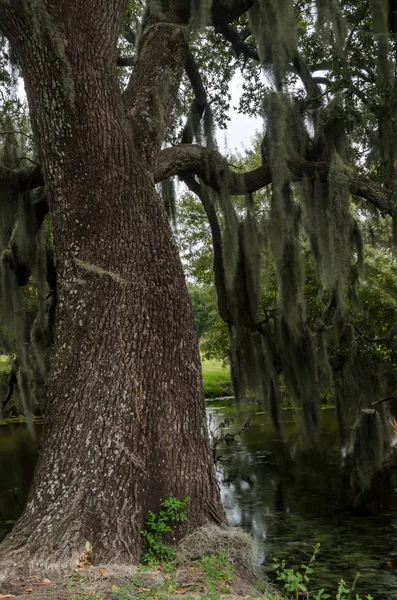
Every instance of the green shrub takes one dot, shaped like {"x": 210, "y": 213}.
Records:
{"x": 157, "y": 526}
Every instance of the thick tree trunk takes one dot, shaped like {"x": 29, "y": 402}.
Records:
{"x": 126, "y": 426}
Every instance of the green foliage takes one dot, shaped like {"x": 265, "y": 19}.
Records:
{"x": 215, "y": 345}
{"x": 157, "y": 526}
{"x": 217, "y": 568}
{"x": 296, "y": 583}
{"x": 203, "y": 299}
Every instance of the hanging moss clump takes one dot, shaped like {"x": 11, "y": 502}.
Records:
{"x": 208, "y": 127}
{"x": 246, "y": 361}
{"x": 329, "y": 11}
{"x": 320, "y": 350}
{"x": 358, "y": 245}
{"x": 249, "y": 358}
{"x": 25, "y": 312}
{"x": 274, "y": 407}
{"x": 230, "y": 239}
{"x": 169, "y": 199}
{"x": 286, "y": 252}
{"x": 339, "y": 222}
{"x": 200, "y": 13}
{"x": 274, "y": 25}
{"x": 284, "y": 140}
{"x": 300, "y": 374}
{"x": 369, "y": 449}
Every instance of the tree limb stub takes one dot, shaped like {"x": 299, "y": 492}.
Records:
{"x": 212, "y": 168}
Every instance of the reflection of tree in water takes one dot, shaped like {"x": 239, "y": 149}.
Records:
{"x": 290, "y": 505}
{"x": 18, "y": 454}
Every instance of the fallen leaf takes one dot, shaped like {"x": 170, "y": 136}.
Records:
{"x": 29, "y": 590}
{"x": 88, "y": 547}
{"x": 182, "y": 591}
{"x": 114, "y": 588}
{"x": 389, "y": 564}
{"x": 104, "y": 572}
{"x": 6, "y": 596}
{"x": 46, "y": 581}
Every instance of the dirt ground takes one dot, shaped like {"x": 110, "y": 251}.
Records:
{"x": 103, "y": 584}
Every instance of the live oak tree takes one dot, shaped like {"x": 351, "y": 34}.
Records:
{"x": 125, "y": 426}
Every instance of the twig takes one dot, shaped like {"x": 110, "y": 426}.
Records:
{"x": 383, "y": 400}
{"x": 17, "y": 131}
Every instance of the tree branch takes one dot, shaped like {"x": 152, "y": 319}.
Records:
{"x": 383, "y": 400}
{"x": 222, "y": 11}
{"x": 219, "y": 271}
{"x": 153, "y": 86}
{"x": 199, "y": 103}
{"x": 306, "y": 77}
{"x": 238, "y": 45}
{"x": 300, "y": 67}
{"x": 225, "y": 11}
{"x": 212, "y": 168}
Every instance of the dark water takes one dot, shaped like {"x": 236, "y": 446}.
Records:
{"x": 287, "y": 506}
{"x": 18, "y": 454}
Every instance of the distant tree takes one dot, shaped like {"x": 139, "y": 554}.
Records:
{"x": 126, "y": 427}
{"x": 204, "y": 308}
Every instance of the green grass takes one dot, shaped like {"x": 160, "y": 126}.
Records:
{"x": 216, "y": 379}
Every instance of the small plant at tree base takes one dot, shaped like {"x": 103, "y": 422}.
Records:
{"x": 218, "y": 571}
{"x": 157, "y": 526}
{"x": 296, "y": 583}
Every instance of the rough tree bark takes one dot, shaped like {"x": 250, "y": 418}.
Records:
{"x": 126, "y": 426}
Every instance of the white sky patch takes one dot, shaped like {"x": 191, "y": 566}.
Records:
{"x": 241, "y": 128}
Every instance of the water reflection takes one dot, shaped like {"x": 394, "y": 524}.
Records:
{"x": 18, "y": 455}
{"x": 289, "y": 506}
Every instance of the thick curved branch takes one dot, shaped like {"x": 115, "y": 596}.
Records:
{"x": 225, "y": 11}
{"x": 212, "y": 168}
{"x": 222, "y": 11}
{"x": 219, "y": 270}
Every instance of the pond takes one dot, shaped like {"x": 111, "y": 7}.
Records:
{"x": 288, "y": 506}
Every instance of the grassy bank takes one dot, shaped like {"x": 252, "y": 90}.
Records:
{"x": 216, "y": 379}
